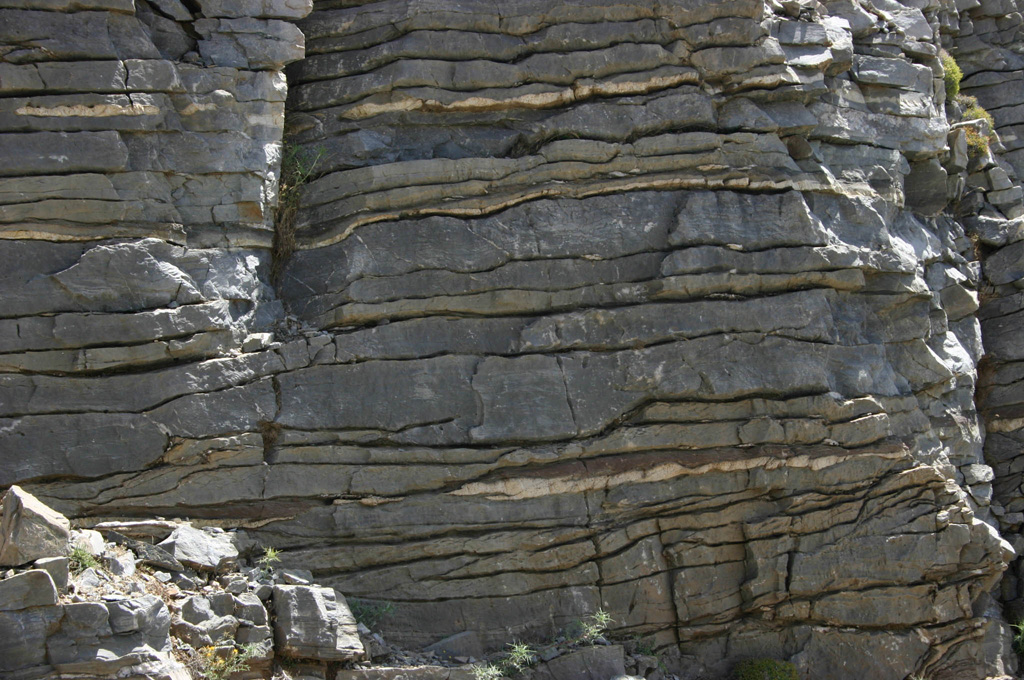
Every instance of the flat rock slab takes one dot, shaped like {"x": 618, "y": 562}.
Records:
{"x": 30, "y": 530}
{"x": 140, "y": 529}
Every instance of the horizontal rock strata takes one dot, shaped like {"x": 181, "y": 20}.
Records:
{"x": 667, "y": 309}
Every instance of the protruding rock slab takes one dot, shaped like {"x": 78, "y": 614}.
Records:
{"x": 30, "y": 530}
{"x": 313, "y": 624}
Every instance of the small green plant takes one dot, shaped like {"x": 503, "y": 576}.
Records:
{"x": 487, "y": 671}
{"x": 520, "y": 656}
{"x": 81, "y": 559}
{"x": 977, "y": 143}
{"x": 271, "y": 556}
{"x": 370, "y": 613}
{"x": 594, "y": 626}
{"x": 216, "y": 664}
{"x": 977, "y": 111}
{"x": 1018, "y": 637}
{"x": 764, "y": 669}
{"x": 298, "y": 167}
{"x": 517, "y": 659}
{"x": 951, "y": 74}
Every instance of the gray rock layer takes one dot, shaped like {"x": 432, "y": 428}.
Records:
{"x": 670, "y": 309}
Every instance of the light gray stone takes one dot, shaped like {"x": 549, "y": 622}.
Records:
{"x": 201, "y": 549}
{"x": 310, "y": 622}
{"x": 29, "y": 530}
{"x": 58, "y": 568}
{"x": 88, "y": 540}
{"x": 33, "y": 588}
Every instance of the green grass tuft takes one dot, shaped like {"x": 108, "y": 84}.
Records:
{"x": 81, "y": 559}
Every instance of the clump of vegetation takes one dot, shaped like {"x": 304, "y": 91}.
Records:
{"x": 951, "y": 74}
{"x": 517, "y": 659}
{"x": 974, "y": 111}
{"x": 521, "y": 656}
{"x": 298, "y": 167}
{"x": 81, "y": 559}
{"x": 1018, "y": 638}
{"x": 594, "y": 626}
{"x": 977, "y": 143}
{"x": 487, "y": 671}
{"x": 764, "y": 669}
{"x": 369, "y": 613}
{"x": 271, "y": 556}
{"x": 214, "y": 663}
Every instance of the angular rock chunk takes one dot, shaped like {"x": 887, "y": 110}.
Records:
{"x": 312, "y": 623}
{"x": 32, "y": 588}
{"x": 30, "y": 530}
{"x": 201, "y": 549}
{"x": 94, "y": 639}
{"x": 59, "y": 570}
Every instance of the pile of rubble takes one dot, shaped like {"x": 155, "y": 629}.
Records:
{"x": 154, "y": 599}
{"x": 165, "y": 600}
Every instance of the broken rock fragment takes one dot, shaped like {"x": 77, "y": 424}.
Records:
{"x": 30, "y": 530}
{"x": 201, "y": 549}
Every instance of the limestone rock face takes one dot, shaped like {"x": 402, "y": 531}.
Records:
{"x": 674, "y": 310}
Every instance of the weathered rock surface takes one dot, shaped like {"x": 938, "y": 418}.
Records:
{"x": 127, "y": 639}
{"x": 33, "y": 588}
{"x": 674, "y": 310}
{"x": 119, "y": 623}
{"x": 29, "y": 530}
{"x": 200, "y": 549}
{"x": 311, "y": 622}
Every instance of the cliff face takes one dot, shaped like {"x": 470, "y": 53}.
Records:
{"x": 672, "y": 309}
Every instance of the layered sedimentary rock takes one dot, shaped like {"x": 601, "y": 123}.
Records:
{"x": 988, "y": 47}
{"x": 670, "y": 309}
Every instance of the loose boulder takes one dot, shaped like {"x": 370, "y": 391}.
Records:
{"x": 200, "y": 549}
{"x": 29, "y": 530}
{"x": 313, "y": 624}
